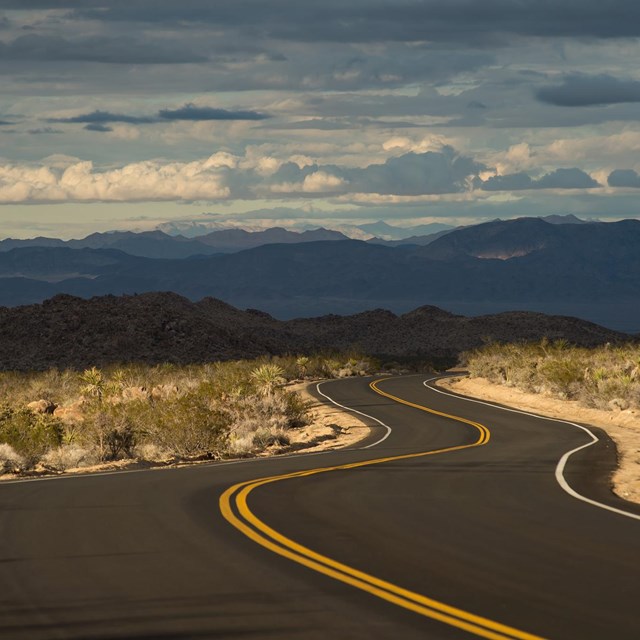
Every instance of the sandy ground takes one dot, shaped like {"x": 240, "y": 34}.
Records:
{"x": 622, "y": 426}
{"x": 330, "y": 428}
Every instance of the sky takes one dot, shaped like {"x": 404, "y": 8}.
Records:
{"x": 123, "y": 114}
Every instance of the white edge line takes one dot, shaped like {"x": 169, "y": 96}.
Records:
{"x": 562, "y": 463}
{"x": 387, "y": 427}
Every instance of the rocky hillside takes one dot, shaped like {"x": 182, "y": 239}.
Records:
{"x": 165, "y": 327}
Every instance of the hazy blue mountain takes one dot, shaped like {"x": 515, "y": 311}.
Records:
{"x": 566, "y": 219}
{"x": 412, "y": 240}
{"x": 386, "y": 231}
{"x": 40, "y": 241}
{"x": 589, "y": 270}
{"x": 157, "y": 244}
{"x": 148, "y": 244}
{"x": 231, "y": 240}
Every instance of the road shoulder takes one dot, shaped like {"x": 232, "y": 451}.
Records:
{"x": 623, "y": 427}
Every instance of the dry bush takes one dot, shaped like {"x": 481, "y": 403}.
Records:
{"x": 10, "y": 460}
{"x": 602, "y": 377}
{"x": 69, "y": 456}
{"x": 156, "y": 412}
{"x": 30, "y": 434}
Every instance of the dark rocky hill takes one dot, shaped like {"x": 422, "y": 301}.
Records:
{"x": 164, "y": 327}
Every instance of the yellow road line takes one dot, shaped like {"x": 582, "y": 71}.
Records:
{"x": 235, "y": 509}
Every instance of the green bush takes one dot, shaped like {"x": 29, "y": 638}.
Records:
{"x": 30, "y": 434}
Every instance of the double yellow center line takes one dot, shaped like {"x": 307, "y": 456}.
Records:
{"x": 234, "y": 507}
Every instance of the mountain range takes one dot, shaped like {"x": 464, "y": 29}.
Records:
{"x": 157, "y": 244}
{"x": 586, "y": 270}
{"x": 163, "y": 327}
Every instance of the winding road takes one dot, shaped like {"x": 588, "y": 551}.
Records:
{"x": 454, "y": 519}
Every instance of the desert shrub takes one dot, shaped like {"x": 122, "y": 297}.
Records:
{"x": 263, "y": 438}
{"x": 110, "y": 430}
{"x": 113, "y": 412}
{"x": 10, "y": 460}
{"x": 190, "y": 425}
{"x": 563, "y": 375}
{"x": 68, "y": 456}
{"x": 30, "y": 434}
{"x": 603, "y": 377}
{"x": 151, "y": 452}
{"x": 296, "y": 410}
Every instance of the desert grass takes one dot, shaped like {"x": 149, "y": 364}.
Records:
{"x": 605, "y": 377}
{"x": 56, "y": 420}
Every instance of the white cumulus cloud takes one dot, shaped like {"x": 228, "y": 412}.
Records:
{"x": 139, "y": 181}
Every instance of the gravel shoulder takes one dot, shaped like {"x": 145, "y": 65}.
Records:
{"x": 623, "y": 427}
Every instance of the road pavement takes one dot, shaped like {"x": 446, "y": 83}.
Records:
{"x": 437, "y": 526}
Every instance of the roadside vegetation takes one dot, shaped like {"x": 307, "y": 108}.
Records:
{"x": 62, "y": 419}
{"x": 606, "y": 377}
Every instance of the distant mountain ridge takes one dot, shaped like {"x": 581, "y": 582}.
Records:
{"x": 164, "y": 327}
{"x": 157, "y": 244}
{"x": 587, "y": 270}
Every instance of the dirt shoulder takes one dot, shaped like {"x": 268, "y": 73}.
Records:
{"x": 331, "y": 427}
{"x": 623, "y": 427}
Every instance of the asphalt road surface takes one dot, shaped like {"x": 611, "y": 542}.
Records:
{"x": 444, "y": 528}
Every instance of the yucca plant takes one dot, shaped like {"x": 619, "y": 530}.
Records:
{"x": 267, "y": 378}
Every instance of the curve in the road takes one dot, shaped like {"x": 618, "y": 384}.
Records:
{"x": 235, "y": 509}
{"x": 562, "y": 463}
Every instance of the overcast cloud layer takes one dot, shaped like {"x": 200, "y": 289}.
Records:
{"x": 308, "y": 113}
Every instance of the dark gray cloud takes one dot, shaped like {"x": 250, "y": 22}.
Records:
{"x": 411, "y": 174}
{"x": 97, "y": 126}
{"x": 566, "y": 179}
{"x": 624, "y": 178}
{"x": 103, "y": 49}
{"x": 103, "y": 117}
{"x": 192, "y": 112}
{"x": 4, "y": 123}
{"x": 189, "y": 112}
{"x": 582, "y": 91}
{"x": 558, "y": 179}
{"x": 416, "y": 174}
{"x": 44, "y": 131}
{"x": 462, "y": 21}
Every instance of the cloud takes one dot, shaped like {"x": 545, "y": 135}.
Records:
{"x": 103, "y": 117}
{"x": 44, "y": 131}
{"x": 74, "y": 181}
{"x": 387, "y": 20}
{"x": 584, "y": 91}
{"x": 101, "y": 49}
{"x": 411, "y": 174}
{"x": 432, "y": 172}
{"x": 566, "y": 179}
{"x": 558, "y": 179}
{"x": 193, "y": 112}
{"x": 624, "y": 178}
{"x": 509, "y": 182}
{"x": 98, "y": 120}
{"x": 318, "y": 182}
{"x": 97, "y": 126}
